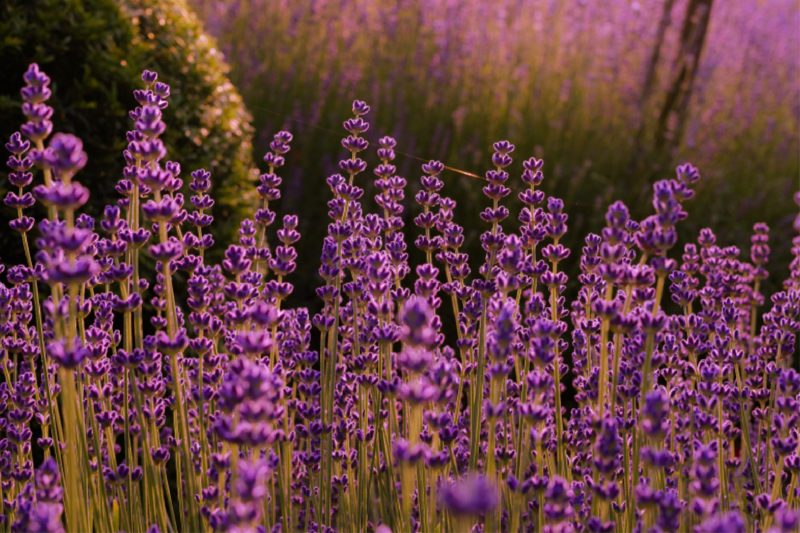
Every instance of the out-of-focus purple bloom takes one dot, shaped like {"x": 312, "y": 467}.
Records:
{"x": 471, "y": 496}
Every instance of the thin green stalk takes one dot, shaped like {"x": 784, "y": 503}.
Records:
{"x": 477, "y": 394}
{"x": 561, "y": 452}
{"x": 601, "y": 393}
{"x": 646, "y": 383}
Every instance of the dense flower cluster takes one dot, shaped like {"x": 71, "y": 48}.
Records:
{"x": 364, "y": 416}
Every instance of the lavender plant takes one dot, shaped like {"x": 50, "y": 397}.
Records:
{"x": 365, "y": 416}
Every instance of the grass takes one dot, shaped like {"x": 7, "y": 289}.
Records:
{"x": 561, "y": 80}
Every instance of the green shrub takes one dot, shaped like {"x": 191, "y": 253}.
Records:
{"x": 94, "y": 52}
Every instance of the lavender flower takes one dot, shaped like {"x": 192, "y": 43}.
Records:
{"x": 684, "y": 421}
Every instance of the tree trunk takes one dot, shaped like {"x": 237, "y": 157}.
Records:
{"x": 676, "y": 104}
{"x": 652, "y": 63}
{"x": 647, "y": 86}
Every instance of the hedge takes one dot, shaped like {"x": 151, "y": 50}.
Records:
{"x": 94, "y": 52}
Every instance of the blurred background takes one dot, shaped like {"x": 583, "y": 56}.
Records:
{"x": 613, "y": 95}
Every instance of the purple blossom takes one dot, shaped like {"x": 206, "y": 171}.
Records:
{"x": 682, "y": 417}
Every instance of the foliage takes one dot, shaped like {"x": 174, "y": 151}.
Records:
{"x": 94, "y": 50}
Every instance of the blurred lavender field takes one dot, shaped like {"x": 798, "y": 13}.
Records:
{"x": 578, "y": 83}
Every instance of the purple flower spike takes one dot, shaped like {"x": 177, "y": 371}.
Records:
{"x": 470, "y": 497}
{"x": 728, "y": 523}
{"x": 415, "y": 317}
{"x": 356, "y": 125}
{"x": 69, "y": 356}
{"x": 16, "y": 145}
{"x": 360, "y": 108}
{"x": 149, "y": 77}
{"x": 66, "y": 154}
{"x": 683, "y": 415}
{"x": 36, "y": 91}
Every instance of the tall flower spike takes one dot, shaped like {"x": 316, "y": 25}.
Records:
{"x": 269, "y": 423}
